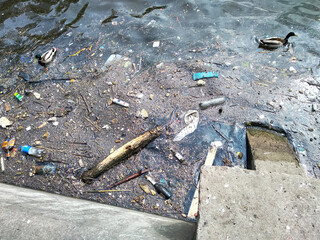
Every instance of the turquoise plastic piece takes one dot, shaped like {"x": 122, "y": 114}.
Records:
{"x": 201, "y": 75}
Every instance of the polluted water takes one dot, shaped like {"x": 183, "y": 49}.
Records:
{"x": 117, "y": 60}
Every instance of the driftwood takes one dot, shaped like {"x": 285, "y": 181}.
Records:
{"x": 121, "y": 153}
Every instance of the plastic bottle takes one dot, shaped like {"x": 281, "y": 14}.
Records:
{"x": 32, "y": 151}
{"x": 44, "y": 169}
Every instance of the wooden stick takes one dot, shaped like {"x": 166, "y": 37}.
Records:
{"x": 220, "y": 133}
{"x": 2, "y": 164}
{"x": 193, "y": 210}
{"x": 85, "y": 102}
{"x": 121, "y": 153}
{"x": 126, "y": 179}
{"x": 108, "y": 190}
{"x": 93, "y": 124}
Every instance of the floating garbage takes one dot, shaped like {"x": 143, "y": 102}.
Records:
{"x": 2, "y": 164}
{"x": 32, "y": 151}
{"x": 7, "y": 106}
{"x": 36, "y": 95}
{"x": 5, "y": 122}
{"x": 25, "y": 76}
{"x": 156, "y": 44}
{"x": 44, "y": 169}
{"x": 160, "y": 188}
{"x": 122, "y": 153}
{"x": 128, "y": 178}
{"x": 177, "y": 155}
{"x": 314, "y": 107}
{"x": 8, "y": 145}
{"x": 191, "y": 119}
{"x": 135, "y": 95}
{"x": 112, "y": 59}
{"x": 212, "y": 102}
{"x": 201, "y": 83}
{"x": 18, "y": 96}
{"x": 201, "y": 75}
{"x": 120, "y": 102}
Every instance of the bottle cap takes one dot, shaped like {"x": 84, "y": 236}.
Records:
{"x": 25, "y": 148}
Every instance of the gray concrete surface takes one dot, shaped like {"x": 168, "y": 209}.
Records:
{"x": 247, "y": 204}
{"x": 280, "y": 167}
{"x": 30, "y": 214}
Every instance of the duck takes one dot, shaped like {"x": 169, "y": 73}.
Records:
{"x": 47, "y": 56}
{"x": 275, "y": 42}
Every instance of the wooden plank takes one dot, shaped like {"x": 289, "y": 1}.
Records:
{"x": 193, "y": 210}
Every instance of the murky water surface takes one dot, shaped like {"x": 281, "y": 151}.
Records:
{"x": 131, "y": 27}
{"x": 278, "y": 88}
{"x": 87, "y": 32}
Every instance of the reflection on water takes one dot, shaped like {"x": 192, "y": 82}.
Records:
{"x": 130, "y": 27}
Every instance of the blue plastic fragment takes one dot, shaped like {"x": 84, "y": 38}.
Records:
{"x": 201, "y": 75}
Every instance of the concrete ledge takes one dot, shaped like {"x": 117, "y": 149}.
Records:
{"x": 246, "y": 204}
{"x": 30, "y": 214}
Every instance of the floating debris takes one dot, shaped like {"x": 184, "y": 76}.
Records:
{"x": 160, "y": 188}
{"x": 201, "y": 75}
{"x": 212, "y": 102}
{"x": 191, "y": 119}
{"x": 5, "y": 122}
{"x": 120, "y": 102}
{"x": 145, "y": 188}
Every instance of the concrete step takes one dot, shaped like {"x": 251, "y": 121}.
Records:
{"x": 30, "y": 214}
{"x": 247, "y": 204}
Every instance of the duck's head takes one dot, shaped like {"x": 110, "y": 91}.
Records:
{"x": 38, "y": 56}
{"x": 291, "y": 34}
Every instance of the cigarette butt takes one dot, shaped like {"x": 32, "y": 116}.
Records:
{"x": 42, "y": 125}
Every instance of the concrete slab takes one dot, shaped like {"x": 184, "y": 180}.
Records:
{"x": 247, "y": 204}
{"x": 30, "y": 214}
{"x": 279, "y": 166}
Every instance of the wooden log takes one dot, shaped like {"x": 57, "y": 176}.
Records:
{"x": 121, "y": 153}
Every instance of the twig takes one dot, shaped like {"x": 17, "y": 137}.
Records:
{"x": 198, "y": 50}
{"x": 9, "y": 93}
{"x": 20, "y": 105}
{"x": 80, "y": 143}
{"x": 50, "y": 79}
{"x": 140, "y": 62}
{"x": 57, "y": 161}
{"x": 51, "y": 149}
{"x": 61, "y": 87}
{"x": 220, "y": 133}
{"x": 82, "y": 155}
{"x": 69, "y": 182}
{"x": 108, "y": 190}
{"x": 313, "y": 84}
{"x": 128, "y": 178}
{"x": 85, "y": 102}
{"x": 98, "y": 128}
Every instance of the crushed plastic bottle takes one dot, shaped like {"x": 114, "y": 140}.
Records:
{"x": 32, "y": 151}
